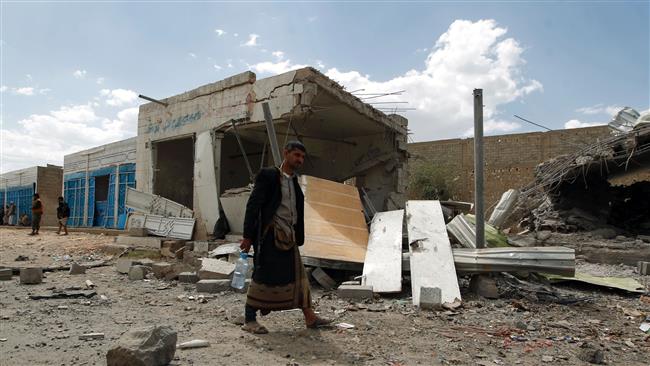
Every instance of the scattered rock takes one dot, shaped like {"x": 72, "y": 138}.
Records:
{"x": 543, "y": 235}
{"x": 546, "y": 358}
{"x": 215, "y": 269}
{"x": 31, "y": 276}
{"x": 21, "y": 258}
{"x": 5, "y": 274}
{"x": 150, "y": 346}
{"x": 213, "y": 286}
{"x": 485, "y": 286}
{"x": 138, "y": 272}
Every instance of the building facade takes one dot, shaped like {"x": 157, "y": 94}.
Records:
{"x": 95, "y": 182}
{"x": 18, "y": 187}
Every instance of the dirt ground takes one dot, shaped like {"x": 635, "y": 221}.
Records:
{"x": 388, "y": 331}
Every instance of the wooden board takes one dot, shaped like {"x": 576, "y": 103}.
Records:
{"x": 335, "y": 227}
{"x": 432, "y": 261}
{"x": 382, "y": 268}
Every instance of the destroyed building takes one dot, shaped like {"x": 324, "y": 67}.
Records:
{"x": 95, "y": 182}
{"x": 19, "y": 186}
{"x": 510, "y": 160}
{"x": 187, "y": 149}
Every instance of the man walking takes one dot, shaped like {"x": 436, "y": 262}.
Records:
{"x": 274, "y": 225}
{"x": 62, "y": 214}
{"x": 37, "y": 212}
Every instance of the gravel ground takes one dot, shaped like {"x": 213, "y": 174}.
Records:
{"x": 388, "y": 330}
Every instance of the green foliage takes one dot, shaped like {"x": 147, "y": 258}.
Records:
{"x": 430, "y": 182}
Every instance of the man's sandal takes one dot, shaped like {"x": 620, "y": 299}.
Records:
{"x": 254, "y": 327}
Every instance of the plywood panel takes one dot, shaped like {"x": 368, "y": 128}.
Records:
{"x": 382, "y": 268}
{"x": 335, "y": 227}
{"x": 432, "y": 261}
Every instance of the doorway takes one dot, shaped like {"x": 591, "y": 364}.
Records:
{"x": 174, "y": 170}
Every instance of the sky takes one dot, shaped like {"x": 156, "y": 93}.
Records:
{"x": 71, "y": 72}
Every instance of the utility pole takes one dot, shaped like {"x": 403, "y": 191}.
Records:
{"x": 478, "y": 168}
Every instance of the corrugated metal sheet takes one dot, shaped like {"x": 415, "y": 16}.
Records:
{"x": 155, "y": 205}
{"x": 170, "y": 227}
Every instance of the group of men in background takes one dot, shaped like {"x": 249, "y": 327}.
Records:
{"x": 62, "y": 214}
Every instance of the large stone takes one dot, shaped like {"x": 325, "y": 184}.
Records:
{"x": 5, "y": 274}
{"x": 355, "y": 292}
{"x": 76, "y": 269}
{"x": 150, "y": 346}
{"x": 485, "y": 286}
{"x": 591, "y": 354}
{"x": 215, "y": 269}
{"x": 138, "y": 272}
{"x": 31, "y": 275}
{"x": 188, "y": 277}
{"x": 213, "y": 286}
{"x": 644, "y": 268}
{"x": 161, "y": 269}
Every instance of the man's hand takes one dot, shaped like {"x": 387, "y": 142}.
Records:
{"x": 245, "y": 245}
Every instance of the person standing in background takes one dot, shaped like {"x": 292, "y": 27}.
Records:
{"x": 37, "y": 213}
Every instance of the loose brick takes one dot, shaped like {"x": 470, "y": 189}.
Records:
{"x": 355, "y": 292}
{"x": 215, "y": 269}
{"x": 31, "y": 276}
{"x": 213, "y": 286}
{"x": 188, "y": 277}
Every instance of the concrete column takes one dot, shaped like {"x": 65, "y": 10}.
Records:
{"x": 116, "y": 204}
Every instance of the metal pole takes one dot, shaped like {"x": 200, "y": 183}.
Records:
{"x": 241, "y": 146}
{"x": 478, "y": 167}
{"x": 270, "y": 129}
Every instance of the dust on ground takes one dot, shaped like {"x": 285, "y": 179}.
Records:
{"x": 388, "y": 331}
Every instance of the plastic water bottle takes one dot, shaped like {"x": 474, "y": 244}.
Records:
{"x": 241, "y": 269}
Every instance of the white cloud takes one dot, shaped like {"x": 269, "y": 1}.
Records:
{"x": 100, "y": 80}
{"x": 574, "y": 123}
{"x": 119, "y": 97}
{"x": 252, "y": 40}
{"x": 320, "y": 64}
{"x": 46, "y": 138}
{"x": 278, "y": 54}
{"x": 217, "y": 67}
{"x": 79, "y": 74}
{"x": 192, "y": 55}
{"x": 468, "y": 55}
{"x": 29, "y": 77}
{"x": 494, "y": 126}
{"x": 3, "y": 88}
{"x": 229, "y": 64}
{"x": 279, "y": 67}
{"x": 220, "y": 32}
{"x": 44, "y": 90}
{"x": 609, "y": 110}
{"x": 24, "y": 91}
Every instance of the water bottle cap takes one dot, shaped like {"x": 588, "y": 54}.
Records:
{"x": 243, "y": 255}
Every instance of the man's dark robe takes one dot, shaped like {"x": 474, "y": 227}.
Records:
{"x": 273, "y": 267}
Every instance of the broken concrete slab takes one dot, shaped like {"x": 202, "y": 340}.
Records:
{"x": 138, "y": 272}
{"x": 504, "y": 208}
{"x": 355, "y": 292}
{"x": 215, "y": 269}
{"x": 31, "y": 275}
{"x": 149, "y": 346}
{"x": 382, "y": 268}
{"x": 188, "y": 277}
{"x": 644, "y": 268}
{"x": 323, "y": 279}
{"x": 76, "y": 269}
{"x": 143, "y": 242}
{"x": 432, "y": 262}
{"x": 213, "y": 286}
{"x": 225, "y": 249}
